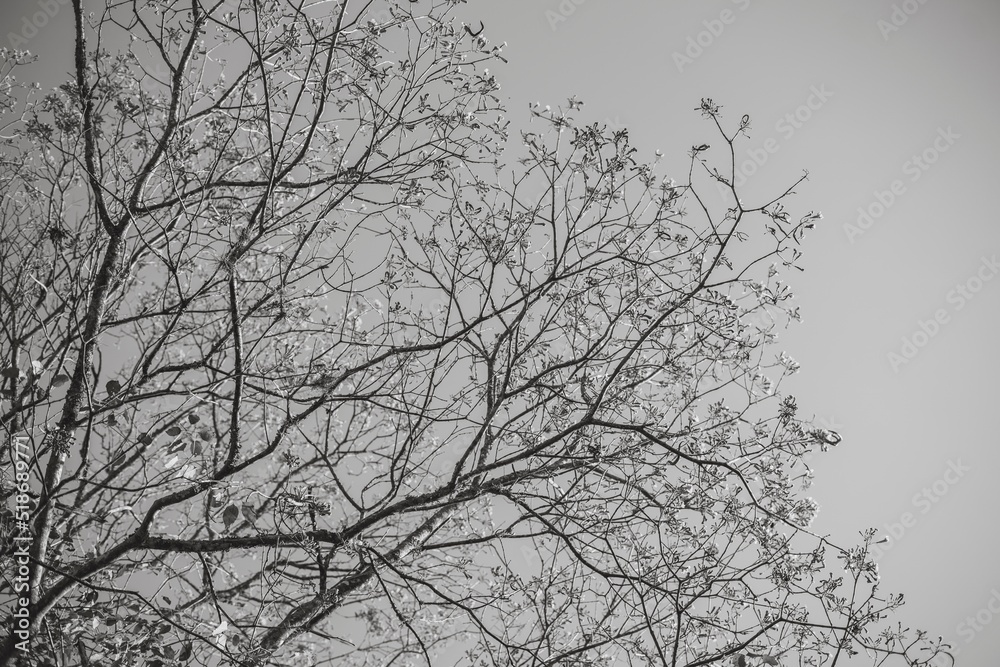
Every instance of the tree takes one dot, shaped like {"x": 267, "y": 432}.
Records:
{"x": 302, "y": 373}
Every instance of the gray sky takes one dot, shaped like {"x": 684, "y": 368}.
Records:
{"x": 891, "y": 107}
{"x": 865, "y": 98}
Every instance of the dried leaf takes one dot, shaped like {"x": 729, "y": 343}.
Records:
{"x": 229, "y": 516}
{"x": 185, "y": 653}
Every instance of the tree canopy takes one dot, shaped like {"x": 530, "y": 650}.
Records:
{"x": 311, "y": 359}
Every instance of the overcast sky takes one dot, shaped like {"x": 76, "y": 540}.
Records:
{"x": 892, "y": 108}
